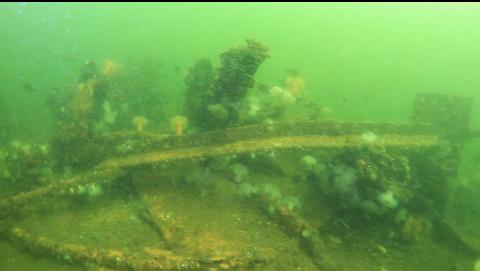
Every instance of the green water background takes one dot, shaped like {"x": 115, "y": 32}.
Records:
{"x": 363, "y": 61}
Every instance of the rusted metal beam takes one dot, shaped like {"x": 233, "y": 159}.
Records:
{"x": 297, "y": 227}
{"x": 93, "y": 175}
{"x": 152, "y": 259}
{"x": 274, "y": 143}
{"x": 111, "y": 168}
{"x": 160, "y": 142}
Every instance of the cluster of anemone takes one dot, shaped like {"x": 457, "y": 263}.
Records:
{"x": 294, "y": 84}
{"x": 178, "y": 124}
{"x": 110, "y": 68}
{"x": 140, "y": 123}
{"x": 272, "y": 192}
{"x": 91, "y": 190}
{"x": 283, "y": 95}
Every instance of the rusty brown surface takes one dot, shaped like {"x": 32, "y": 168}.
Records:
{"x": 242, "y": 140}
{"x": 150, "y": 259}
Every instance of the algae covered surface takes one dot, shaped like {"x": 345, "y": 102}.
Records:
{"x": 239, "y": 136}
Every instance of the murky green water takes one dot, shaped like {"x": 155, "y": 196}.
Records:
{"x": 229, "y": 136}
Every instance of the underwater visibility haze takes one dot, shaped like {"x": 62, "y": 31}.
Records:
{"x": 239, "y": 136}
